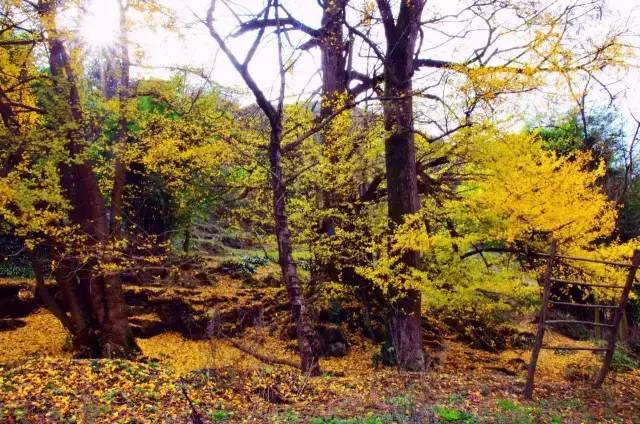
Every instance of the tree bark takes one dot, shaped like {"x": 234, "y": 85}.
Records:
{"x": 96, "y": 301}
{"x": 402, "y": 186}
{"x": 333, "y": 56}
{"x": 307, "y": 338}
{"x": 45, "y": 295}
{"x": 334, "y": 85}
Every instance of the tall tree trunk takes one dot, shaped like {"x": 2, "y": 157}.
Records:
{"x": 333, "y": 56}
{"x": 307, "y": 338}
{"x": 101, "y": 320}
{"x": 334, "y": 86}
{"x": 402, "y": 185}
{"x": 119, "y": 178}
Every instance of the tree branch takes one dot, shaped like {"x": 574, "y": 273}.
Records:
{"x": 255, "y": 24}
{"x": 242, "y": 69}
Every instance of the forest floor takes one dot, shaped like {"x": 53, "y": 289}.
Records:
{"x": 41, "y": 382}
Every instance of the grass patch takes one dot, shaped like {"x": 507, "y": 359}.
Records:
{"x": 453, "y": 415}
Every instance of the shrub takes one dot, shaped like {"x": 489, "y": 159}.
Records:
{"x": 623, "y": 361}
{"x": 243, "y": 267}
{"x": 219, "y": 416}
{"x": 449, "y": 415}
{"x": 510, "y": 412}
{"x": 11, "y": 269}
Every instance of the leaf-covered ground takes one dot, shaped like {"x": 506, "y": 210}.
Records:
{"x": 40, "y": 382}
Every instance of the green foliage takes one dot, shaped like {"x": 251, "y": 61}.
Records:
{"x": 563, "y": 138}
{"x": 448, "y": 414}
{"x": 601, "y": 133}
{"x": 12, "y": 269}
{"x": 243, "y": 267}
{"x": 511, "y": 412}
{"x": 506, "y": 404}
{"x": 624, "y": 361}
{"x": 219, "y": 416}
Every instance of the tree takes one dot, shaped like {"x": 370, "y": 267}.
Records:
{"x": 402, "y": 184}
{"x": 307, "y": 339}
{"x": 472, "y": 82}
{"x": 97, "y": 306}
{"x": 59, "y": 208}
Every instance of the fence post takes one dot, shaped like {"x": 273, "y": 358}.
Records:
{"x": 613, "y": 331}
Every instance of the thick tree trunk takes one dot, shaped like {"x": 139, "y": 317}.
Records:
{"x": 402, "y": 198}
{"x": 402, "y": 183}
{"x": 84, "y": 328}
{"x": 96, "y": 302}
{"x": 334, "y": 85}
{"x": 118, "y": 339}
{"x": 307, "y": 339}
{"x": 333, "y": 56}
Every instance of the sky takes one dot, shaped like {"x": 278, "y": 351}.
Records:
{"x": 192, "y": 46}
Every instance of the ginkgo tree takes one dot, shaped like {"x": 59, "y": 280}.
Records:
{"x": 516, "y": 197}
{"x": 526, "y": 45}
{"x": 63, "y": 157}
{"x": 433, "y": 79}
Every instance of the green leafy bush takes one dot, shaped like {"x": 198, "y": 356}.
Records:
{"x": 451, "y": 415}
{"x": 510, "y": 412}
{"x": 243, "y": 267}
{"x": 623, "y": 361}
{"x": 10, "y": 269}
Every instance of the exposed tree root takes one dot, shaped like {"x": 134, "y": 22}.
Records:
{"x": 261, "y": 357}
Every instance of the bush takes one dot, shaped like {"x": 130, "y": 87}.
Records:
{"x": 623, "y": 361}
{"x": 510, "y": 412}
{"x": 243, "y": 267}
{"x": 480, "y": 305}
{"x": 11, "y": 269}
{"x": 449, "y": 415}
